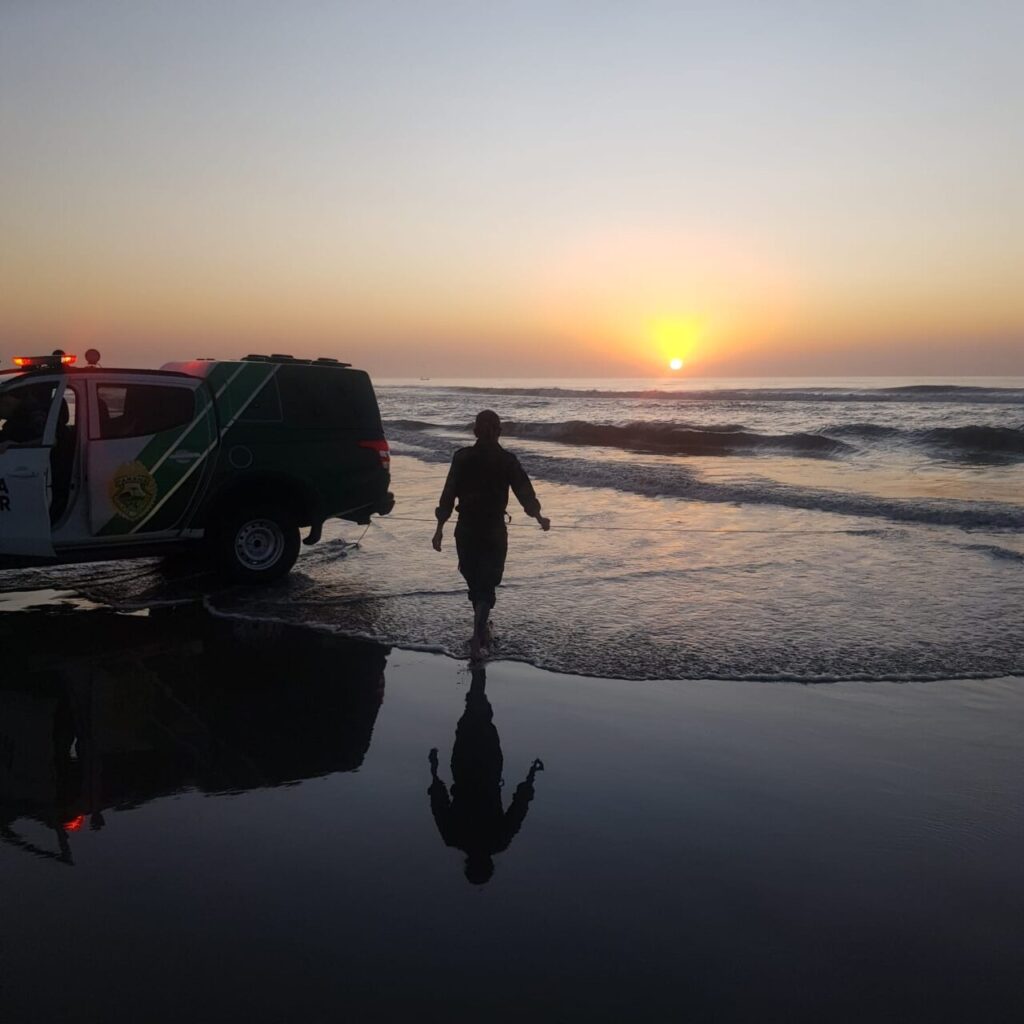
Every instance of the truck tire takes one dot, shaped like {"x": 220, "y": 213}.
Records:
{"x": 256, "y": 543}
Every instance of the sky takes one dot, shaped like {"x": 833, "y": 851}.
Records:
{"x": 517, "y": 188}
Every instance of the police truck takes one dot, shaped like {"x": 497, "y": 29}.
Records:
{"x": 229, "y": 457}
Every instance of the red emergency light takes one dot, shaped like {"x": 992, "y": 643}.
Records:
{"x": 47, "y": 362}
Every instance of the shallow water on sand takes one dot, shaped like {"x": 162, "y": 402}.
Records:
{"x": 645, "y": 587}
{"x": 204, "y": 819}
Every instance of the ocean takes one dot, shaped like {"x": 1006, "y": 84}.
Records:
{"x": 798, "y": 529}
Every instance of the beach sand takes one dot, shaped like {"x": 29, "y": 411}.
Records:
{"x": 206, "y": 819}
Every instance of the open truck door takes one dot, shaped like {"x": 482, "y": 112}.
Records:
{"x": 26, "y": 487}
{"x": 25, "y": 502}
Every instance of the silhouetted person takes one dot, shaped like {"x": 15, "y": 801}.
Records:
{"x": 479, "y": 479}
{"x": 472, "y": 818}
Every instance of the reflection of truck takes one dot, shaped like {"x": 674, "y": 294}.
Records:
{"x": 143, "y": 708}
{"x": 236, "y": 456}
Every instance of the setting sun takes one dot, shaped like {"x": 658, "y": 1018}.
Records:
{"x": 676, "y": 339}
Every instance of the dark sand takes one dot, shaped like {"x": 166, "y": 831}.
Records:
{"x": 249, "y": 837}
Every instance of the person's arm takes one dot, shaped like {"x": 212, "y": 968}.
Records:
{"x": 446, "y": 503}
{"x": 440, "y": 802}
{"x": 523, "y": 490}
{"x": 516, "y": 813}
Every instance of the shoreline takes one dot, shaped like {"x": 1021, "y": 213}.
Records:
{"x": 53, "y": 597}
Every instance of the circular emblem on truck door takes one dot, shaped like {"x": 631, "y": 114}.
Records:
{"x": 240, "y": 457}
{"x": 132, "y": 490}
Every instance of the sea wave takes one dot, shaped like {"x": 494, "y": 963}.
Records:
{"x": 994, "y": 440}
{"x": 976, "y": 442}
{"x": 662, "y": 438}
{"x": 1004, "y": 554}
{"x": 863, "y": 431}
{"x": 674, "y": 439}
{"x": 681, "y": 481}
{"x": 908, "y": 393}
{"x": 936, "y": 389}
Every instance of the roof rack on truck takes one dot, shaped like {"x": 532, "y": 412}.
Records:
{"x": 281, "y": 357}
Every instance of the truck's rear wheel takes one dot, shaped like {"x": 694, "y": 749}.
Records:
{"x": 257, "y": 544}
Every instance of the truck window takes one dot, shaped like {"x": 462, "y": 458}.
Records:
{"x": 137, "y": 410}
{"x": 313, "y": 397}
{"x": 265, "y": 407}
{"x": 24, "y": 411}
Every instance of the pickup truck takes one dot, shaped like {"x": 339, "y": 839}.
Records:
{"x": 229, "y": 457}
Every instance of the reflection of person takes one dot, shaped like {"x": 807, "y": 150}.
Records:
{"x": 480, "y": 478}
{"x": 24, "y": 417}
{"x": 471, "y": 818}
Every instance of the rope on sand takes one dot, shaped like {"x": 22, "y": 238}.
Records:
{"x": 345, "y": 546}
{"x": 624, "y": 529}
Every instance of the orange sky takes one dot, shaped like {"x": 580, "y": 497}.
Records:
{"x": 549, "y": 193}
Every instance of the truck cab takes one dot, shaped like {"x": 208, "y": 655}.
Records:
{"x": 233, "y": 457}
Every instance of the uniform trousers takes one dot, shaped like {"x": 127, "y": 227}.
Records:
{"x": 482, "y": 548}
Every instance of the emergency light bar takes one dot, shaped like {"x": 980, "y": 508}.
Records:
{"x": 45, "y": 362}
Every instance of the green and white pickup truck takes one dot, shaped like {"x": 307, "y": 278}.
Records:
{"x": 232, "y": 457}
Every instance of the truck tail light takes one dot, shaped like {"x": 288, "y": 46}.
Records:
{"x": 382, "y": 450}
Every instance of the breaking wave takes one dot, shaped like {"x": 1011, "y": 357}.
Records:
{"x": 993, "y": 440}
{"x": 662, "y": 438}
{"x": 674, "y": 439}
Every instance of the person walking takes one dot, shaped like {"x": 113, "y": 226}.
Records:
{"x": 479, "y": 479}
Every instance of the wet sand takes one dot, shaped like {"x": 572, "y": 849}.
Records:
{"x": 203, "y": 819}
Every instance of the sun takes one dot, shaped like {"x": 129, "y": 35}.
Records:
{"x": 676, "y": 340}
